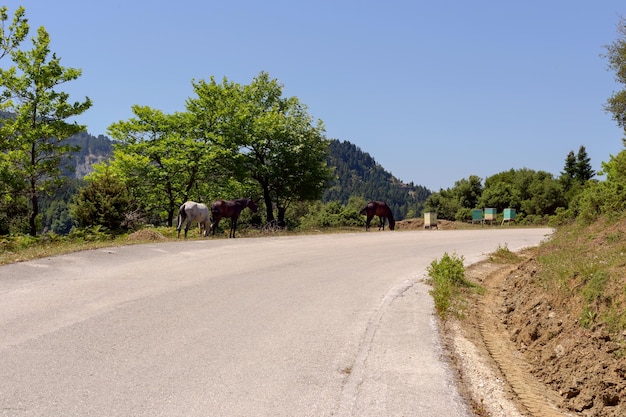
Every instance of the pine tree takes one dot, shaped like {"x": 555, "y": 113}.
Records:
{"x": 584, "y": 172}
{"x": 569, "y": 170}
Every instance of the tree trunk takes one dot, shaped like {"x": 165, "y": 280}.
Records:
{"x": 34, "y": 212}
{"x": 269, "y": 208}
{"x": 170, "y": 217}
{"x": 281, "y": 216}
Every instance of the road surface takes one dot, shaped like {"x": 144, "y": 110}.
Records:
{"x": 329, "y": 325}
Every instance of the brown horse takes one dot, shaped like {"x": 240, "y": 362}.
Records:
{"x": 380, "y": 209}
{"x": 232, "y": 209}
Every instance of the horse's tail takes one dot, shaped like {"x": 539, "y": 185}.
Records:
{"x": 181, "y": 216}
{"x": 392, "y": 222}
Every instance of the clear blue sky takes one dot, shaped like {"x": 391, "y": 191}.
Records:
{"x": 434, "y": 91}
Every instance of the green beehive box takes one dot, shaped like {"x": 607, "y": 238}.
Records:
{"x": 509, "y": 214}
{"x": 477, "y": 215}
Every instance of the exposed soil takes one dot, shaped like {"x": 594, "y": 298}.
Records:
{"x": 418, "y": 223}
{"x": 519, "y": 354}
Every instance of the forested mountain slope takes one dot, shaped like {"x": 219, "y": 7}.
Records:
{"x": 358, "y": 174}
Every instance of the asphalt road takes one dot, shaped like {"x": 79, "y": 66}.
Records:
{"x": 329, "y": 325}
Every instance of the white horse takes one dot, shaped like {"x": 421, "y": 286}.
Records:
{"x": 193, "y": 212}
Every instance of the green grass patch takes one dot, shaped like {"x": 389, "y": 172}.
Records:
{"x": 584, "y": 269}
{"x": 503, "y": 255}
{"x": 18, "y": 248}
{"x": 450, "y": 285}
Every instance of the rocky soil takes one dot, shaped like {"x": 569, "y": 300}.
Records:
{"x": 517, "y": 354}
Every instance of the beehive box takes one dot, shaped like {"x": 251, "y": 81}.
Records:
{"x": 430, "y": 220}
{"x": 477, "y": 216}
{"x": 509, "y": 214}
{"x": 490, "y": 214}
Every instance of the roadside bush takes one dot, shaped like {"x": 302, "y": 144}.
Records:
{"x": 331, "y": 214}
{"x": 103, "y": 202}
{"x": 448, "y": 280}
{"x": 463, "y": 215}
{"x": 17, "y": 242}
{"x": 90, "y": 234}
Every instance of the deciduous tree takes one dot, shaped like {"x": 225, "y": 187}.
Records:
{"x": 34, "y": 134}
{"x": 161, "y": 162}
{"x": 12, "y": 204}
{"x": 262, "y": 136}
{"x": 616, "y": 55}
{"x": 284, "y": 150}
{"x": 12, "y": 37}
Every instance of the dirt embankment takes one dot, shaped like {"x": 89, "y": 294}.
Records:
{"x": 519, "y": 354}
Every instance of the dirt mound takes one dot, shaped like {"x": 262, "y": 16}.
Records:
{"x": 413, "y": 224}
{"x": 580, "y": 365}
{"x": 549, "y": 364}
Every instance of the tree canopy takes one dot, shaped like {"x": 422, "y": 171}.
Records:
{"x": 33, "y": 137}
{"x": 232, "y": 141}
{"x": 616, "y": 55}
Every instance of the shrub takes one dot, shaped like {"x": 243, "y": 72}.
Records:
{"x": 103, "y": 202}
{"x": 448, "y": 275}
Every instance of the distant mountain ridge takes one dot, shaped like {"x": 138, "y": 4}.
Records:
{"x": 92, "y": 150}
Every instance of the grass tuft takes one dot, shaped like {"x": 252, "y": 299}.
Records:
{"x": 449, "y": 285}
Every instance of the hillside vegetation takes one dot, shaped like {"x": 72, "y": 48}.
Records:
{"x": 358, "y": 174}
{"x": 564, "y": 310}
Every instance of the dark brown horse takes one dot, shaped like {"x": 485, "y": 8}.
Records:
{"x": 232, "y": 209}
{"x": 380, "y": 209}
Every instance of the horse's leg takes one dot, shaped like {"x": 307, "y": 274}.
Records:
{"x": 187, "y": 227}
{"x": 367, "y": 223}
{"x": 206, "y": 225}
{"x": 233, "y": 226}
{"x": 185, "y": 220}
{"x": 202, "y": 225}
{"x": 214, "y": 223}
